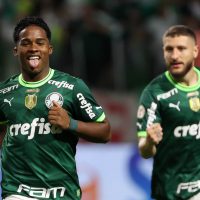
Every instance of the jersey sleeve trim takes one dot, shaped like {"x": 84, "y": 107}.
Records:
{"x": 142, "y": 134}
{"x": 101, "y": 118}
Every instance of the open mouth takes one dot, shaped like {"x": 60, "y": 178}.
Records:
{"x": 33, "y": 61}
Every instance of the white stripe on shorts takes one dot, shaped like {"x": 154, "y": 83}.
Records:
{"x": 18, "y": 197}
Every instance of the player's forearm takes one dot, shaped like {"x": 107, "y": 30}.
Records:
{"x": 147, "y": 148}
{"x": 94, "y": 132}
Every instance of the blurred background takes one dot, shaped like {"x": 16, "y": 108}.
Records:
{"x": 116, "y": 47}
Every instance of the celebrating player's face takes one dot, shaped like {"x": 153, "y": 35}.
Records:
{"x": 33, "y": 50}
{"x": 179, "y": 54}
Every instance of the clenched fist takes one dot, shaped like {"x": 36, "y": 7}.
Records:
{"x": 154, "y": 133}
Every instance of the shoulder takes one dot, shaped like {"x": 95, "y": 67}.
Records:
{"x": 69, "y": 79}
{"x": 65, "y": 76}
{"x": 159, "y": 86}
{"x": 10, "y": 83}
{"x": 158, "y": 83}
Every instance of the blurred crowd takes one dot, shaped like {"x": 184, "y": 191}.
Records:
{"x": 111, "y": 44}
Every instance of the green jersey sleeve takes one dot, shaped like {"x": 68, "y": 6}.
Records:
{"x": 87, "y": 108}
{"x": 148, "y": 110}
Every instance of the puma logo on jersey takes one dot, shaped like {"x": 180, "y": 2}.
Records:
{"x": 8, "y": 101}
{"x": 98, "y": 107}
{"x": 176, "y": 106}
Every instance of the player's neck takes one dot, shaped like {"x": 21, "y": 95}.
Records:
{"x": 35, "y": 77}
{"x": 190, "y": 79}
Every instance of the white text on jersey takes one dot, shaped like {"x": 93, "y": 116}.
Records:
{"x": 38, "y": 126}
{"x": 167, "y": 94}
{"x": 183, "y": 131}
{"x": 190, "y": 186}
{"x": 42, "y": 192}
{"x": 63, "y": 84}
{"x": 85, "y": 105}
{"x": 8, "y": 89}
{"x": 151, "y": 114}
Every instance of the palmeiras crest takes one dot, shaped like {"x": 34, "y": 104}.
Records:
{"x": 54, "y": 96}
{"x": 30, "y": 101}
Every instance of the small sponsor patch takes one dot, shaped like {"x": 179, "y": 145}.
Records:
{"x": 35, "y": 90}
{"x": 30, "y": 101}
{"x": 140, "y": 112}
{"x": 194, "y": 103}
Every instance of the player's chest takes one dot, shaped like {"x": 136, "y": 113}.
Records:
{"x": 182, "y": 104}
{"x": 38, "y": 100}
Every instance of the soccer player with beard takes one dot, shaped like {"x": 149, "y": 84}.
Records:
{"x": 45, "y": 111}
{"x": 168, "y": 120}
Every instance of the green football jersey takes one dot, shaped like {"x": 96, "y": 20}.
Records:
{"x": 38, "y": 159}
{"x": 176, "y": 166}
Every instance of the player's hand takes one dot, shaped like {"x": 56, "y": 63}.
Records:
{"x": 154, "y": 133}
{"x": 58, "y": 116}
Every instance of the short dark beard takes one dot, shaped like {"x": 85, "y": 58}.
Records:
{"x": 179, "y": 76}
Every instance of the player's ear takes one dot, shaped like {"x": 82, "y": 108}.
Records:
{"x": 15, "y": 51}
{"x": 50, "y": 49}
{"x": 196, "y": 51}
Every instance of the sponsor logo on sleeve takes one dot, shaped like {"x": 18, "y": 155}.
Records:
{"x": 85, "y": 105}
{"x": 151, "y": 114}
